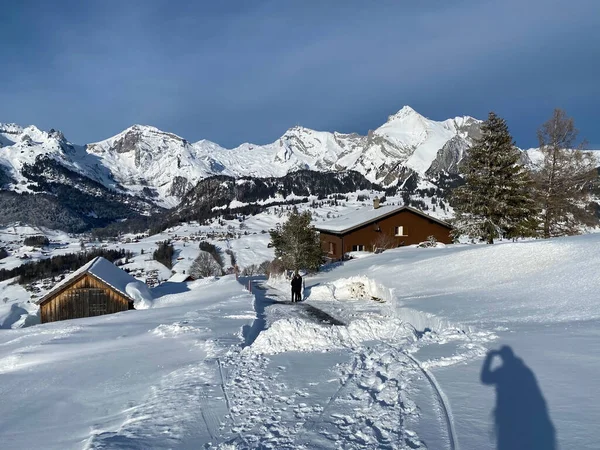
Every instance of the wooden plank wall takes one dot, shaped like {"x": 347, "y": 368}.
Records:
{"x": 86, "y": 297}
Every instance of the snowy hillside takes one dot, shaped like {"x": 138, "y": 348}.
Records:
{"x": 23, "y": 146}
{"x": 413, "y": 141}
{"x": 386, "y": 351}
{"x": 145, "y": 161}
{"x": 145, "y": 156}
{"x": 536, "y": 157}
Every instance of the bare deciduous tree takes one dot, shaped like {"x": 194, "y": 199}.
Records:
{"x": 205, "y": 266}
{"x": 564, "y": 177}
{"x": 383, "y": 242}
{"x": 250, "y": 270}
{"x": 264, "y": 267}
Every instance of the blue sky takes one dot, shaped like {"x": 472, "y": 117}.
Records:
{"x": 245, "y": 71}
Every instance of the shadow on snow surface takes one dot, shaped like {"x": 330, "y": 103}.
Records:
{"x": 261, "y": 301}
{"x": 521, "y": 416}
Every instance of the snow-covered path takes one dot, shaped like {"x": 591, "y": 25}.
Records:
{"x": 355, "y": 392}
{"x": 200, "y": 369}
{"x": 218, "y": 366}
{"x": 211, "y": 365}
{"x": 350, "y": 396}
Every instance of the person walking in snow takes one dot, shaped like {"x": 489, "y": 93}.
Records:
{"x": 293, "y": 284}
{"x": 296, "y": 287}
{"x": 300, "y": 289}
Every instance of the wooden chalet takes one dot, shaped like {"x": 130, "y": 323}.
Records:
{"x": 362, "y": 230}
{"x": 97, "y": 288}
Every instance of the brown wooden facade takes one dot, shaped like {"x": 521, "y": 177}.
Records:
{"x": 415, "y": 226}
{"x": 84, "y": 296}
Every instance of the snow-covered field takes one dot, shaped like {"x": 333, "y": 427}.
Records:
{"x": 385, "y": 352}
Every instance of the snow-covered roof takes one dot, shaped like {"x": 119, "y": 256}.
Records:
{"x": 180, "y": 278}
{"x": 364, "y": 216}
{"x": 102, "y": 269}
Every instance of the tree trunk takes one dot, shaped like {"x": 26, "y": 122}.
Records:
{"x": 547, "y": 221}
{"x": 491, "y": 232}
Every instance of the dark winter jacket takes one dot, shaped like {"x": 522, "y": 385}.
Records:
{"x": 297, "y": 283}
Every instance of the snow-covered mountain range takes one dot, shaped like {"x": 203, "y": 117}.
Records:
{"x": 162, "y": 166}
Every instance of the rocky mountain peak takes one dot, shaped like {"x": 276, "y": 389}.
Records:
{"x": 143, "y": 158}
{"x": 405, "y": 112}
{"x": 296, "y": 130}
{"x": 138, "y": 137}
{"x": 57, "y": 134}
{"x": 10, "y": 128}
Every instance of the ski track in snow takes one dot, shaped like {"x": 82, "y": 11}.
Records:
{"x": 442, "y": 400}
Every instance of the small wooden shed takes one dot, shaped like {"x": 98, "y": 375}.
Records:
{"x": 99, "y": 287}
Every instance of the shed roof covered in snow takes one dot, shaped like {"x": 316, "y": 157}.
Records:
{"x": 103, "y": 270}
{"x": 181, "y": 278}
{"x": 364, "y": 216}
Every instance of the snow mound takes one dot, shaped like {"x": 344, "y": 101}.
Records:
{"x": 140, "y": 294}
{"x": 359, "y": 254}
{"x": 370, "y": 292}
{"x": 429, "y": 244}
{"x": 294, "y": 334}
{"x": 280, "y": 282}
{"x": 240, "y": 316}
{"x": 358, "y": 287}
{"x": 174, "y": 330}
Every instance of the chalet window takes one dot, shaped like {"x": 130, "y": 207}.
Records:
{"x": 358, "y": 248}
{"x": 331, "y": 248}
{"x": 399, "y": 231}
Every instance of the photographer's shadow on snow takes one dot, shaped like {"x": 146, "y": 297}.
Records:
{"x": 521, "y": 416}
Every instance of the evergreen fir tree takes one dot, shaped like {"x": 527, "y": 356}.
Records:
{"x": 297, "y": 243}
{"x": 497, "y": 198}
{"x": 164, "y": 254}
{"x": 564, "y": 178}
